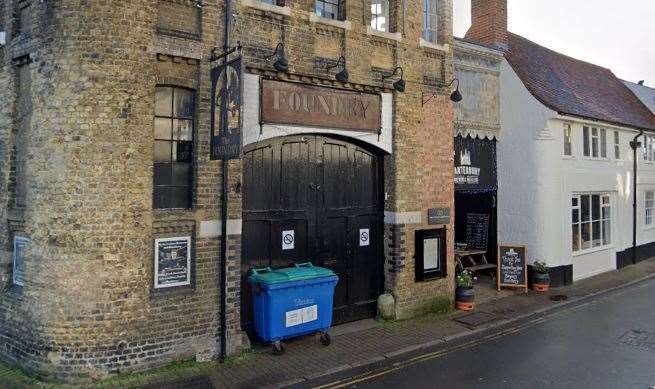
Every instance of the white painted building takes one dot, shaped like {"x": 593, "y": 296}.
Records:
{"x": 565, "y": 165}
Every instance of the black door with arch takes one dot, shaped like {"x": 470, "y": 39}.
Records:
{"x": 318, "y": 199}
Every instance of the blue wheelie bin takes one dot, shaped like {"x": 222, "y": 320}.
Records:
{"x": 292, "y": 302}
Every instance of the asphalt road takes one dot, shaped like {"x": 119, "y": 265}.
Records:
{"x": 606, "y": 343}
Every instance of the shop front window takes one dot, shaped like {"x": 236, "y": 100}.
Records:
{"x": 173, "y": 153}
{"x": 380, "y": 15}
{"x": 590, "y": 221}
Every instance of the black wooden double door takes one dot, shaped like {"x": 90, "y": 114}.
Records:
{"x": 315, "y": 199}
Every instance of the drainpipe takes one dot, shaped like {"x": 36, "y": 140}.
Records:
{"x": 634, "y": 145}
{"x": 224, "y": 193}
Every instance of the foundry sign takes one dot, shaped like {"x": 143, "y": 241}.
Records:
{"x": 315, "y": 106}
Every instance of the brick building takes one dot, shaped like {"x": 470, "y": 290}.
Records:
{"x": 110, "y": 219}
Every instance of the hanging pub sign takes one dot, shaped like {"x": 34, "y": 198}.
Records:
{"x": 172, "y": 262}
{"x": 18, "y": 273}
{"x": 512, "y": 267}
{"x": 226, "y": 116}
{"x": 475, "y": 164}
{"x": 315, "y": 106}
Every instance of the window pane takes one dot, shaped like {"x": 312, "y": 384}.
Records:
{"x": 181, "y": 174}
{"x": 160, "y": 197}
{"x": 585, "y": 135}
{"x": 163, "y": 101}
{"x": 606, "y": 213}
{"x": 574, "y": 201}
{"x": 603, "y": 143}
{"x": 183, "y": 103}
{"x": 182, "y": 129}
{"x": 162, "y": 151}
{"x": 596, "y": 234}
{"x": 162, "y": 174}
{"x": 585, "y": 207}
{"x": 607, "y": 232}
{"x": 594, "y": 147}
{"x": 585, "y": 235}
{"x": 575, "y": 237}
{"x": 567, "y": 140}
{"x": 180, "y": 197}
{"x": 163, "y": 129}
{"x": 182, "y": 151}
{"x": 595, "y": 207}
{"x": 575, "y": 215}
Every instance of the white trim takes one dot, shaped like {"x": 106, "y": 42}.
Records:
{"x": 592, "y": 250}
{"x": 188, "y": 262}
{"x": 267, "y": 7}
{"x": 213, "y": 228}
{"x": 402, "y": 217}
{"x": 434, "y": 46}
{"x": 344, "y": 24}
{"x": 395, "y": 36}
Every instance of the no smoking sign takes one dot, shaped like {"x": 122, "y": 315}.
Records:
{"x": 364, "y": 237}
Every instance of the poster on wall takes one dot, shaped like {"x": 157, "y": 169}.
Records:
{"x": 475, "y": 164}
{"x": 20, "y": 245}
{"x": 226, "y": 118}
{"x": 172, "y": 262}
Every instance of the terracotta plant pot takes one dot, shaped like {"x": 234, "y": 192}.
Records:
{"x": 540, "y": 282}
{"x": 464, "y": 298}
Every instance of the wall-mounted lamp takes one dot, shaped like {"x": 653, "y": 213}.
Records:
{"x": 281, "y": 64}
{"x": 343, "y": 75}
{"x": 455, "y": 97}
{"x": 400, "y": 84}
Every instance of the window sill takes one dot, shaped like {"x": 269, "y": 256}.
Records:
{"x": 596, "y": 159}
{"x": 434, "y": 46}
{"x": 394, "y": 36}
{"x": 569, "y": 157}
{"x": 256, "y": 4}
{"x": 648, "y": 227}
{"x": 343, "y": 24}
{"x": 592, "y": 250}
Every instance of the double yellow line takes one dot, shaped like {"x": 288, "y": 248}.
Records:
{"x": 425, "y": 357}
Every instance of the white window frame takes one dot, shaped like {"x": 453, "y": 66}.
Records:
{"x": 380, "y": 17}
{"x": 603, "y": 222}
{"x": 617, "y": 145}
{"x": 427, "y": 14}
{"x": 648, "y": 149}
{"x": 594, "y": 142}
{"x": 567, "y": 140}
{"x": 649, "y": 207}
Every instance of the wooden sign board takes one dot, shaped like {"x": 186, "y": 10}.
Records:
{"x": 512, "y": 270}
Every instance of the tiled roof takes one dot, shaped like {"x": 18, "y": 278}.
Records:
{"x": 573, "y": 87}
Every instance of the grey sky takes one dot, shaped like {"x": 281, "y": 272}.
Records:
{"x": 619, "y": 35}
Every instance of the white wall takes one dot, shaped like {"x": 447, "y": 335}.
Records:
{"x": 254, "y": 132}
{"x": 536, "y": 182}
{"x": 520, "y": 154}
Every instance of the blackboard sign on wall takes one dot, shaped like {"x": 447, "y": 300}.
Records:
{"x": 477, "y": 230}
{"x": 512, "y": 266}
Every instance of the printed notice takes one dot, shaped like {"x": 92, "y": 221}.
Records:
{"x": 301, "y": 316}
{"x": 364, "y": 237}
{"x": 288, "y": 240}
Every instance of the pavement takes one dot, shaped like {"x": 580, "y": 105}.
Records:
{"x": 366, "y": 344}
{"x": 608, "y": 342}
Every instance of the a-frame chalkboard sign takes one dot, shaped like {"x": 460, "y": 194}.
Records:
{"x": 512, "y": 266}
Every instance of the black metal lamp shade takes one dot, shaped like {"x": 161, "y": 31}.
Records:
{"x": 456, "y": 97}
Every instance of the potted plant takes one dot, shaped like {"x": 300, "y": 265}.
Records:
{"x": 540, "y": 277}
{"x": 464, "y": 295}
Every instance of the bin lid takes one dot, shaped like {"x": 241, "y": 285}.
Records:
{"x": 300, "y": 272}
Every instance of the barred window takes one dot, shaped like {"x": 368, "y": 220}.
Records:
{"x": 174, "y": 117}
{"x": 380, "y": 15}
{"x": 329, "y": 9}
{"x": 430, "y": 20}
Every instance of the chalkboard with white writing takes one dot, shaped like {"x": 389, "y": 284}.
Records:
{"x": 512, "y": 266}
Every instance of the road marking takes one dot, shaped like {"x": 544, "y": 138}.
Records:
{"x": 342, "y": 383}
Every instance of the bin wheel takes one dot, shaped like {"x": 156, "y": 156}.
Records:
{"x": 278, "y": 348}
{"x": 325, "y": 339}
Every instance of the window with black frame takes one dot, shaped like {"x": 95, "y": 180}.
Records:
{"x": 329, "y": 9}
{"x": 174, "y": 117}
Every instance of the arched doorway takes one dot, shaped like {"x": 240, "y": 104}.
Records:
{"x": 326, "y": 194}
